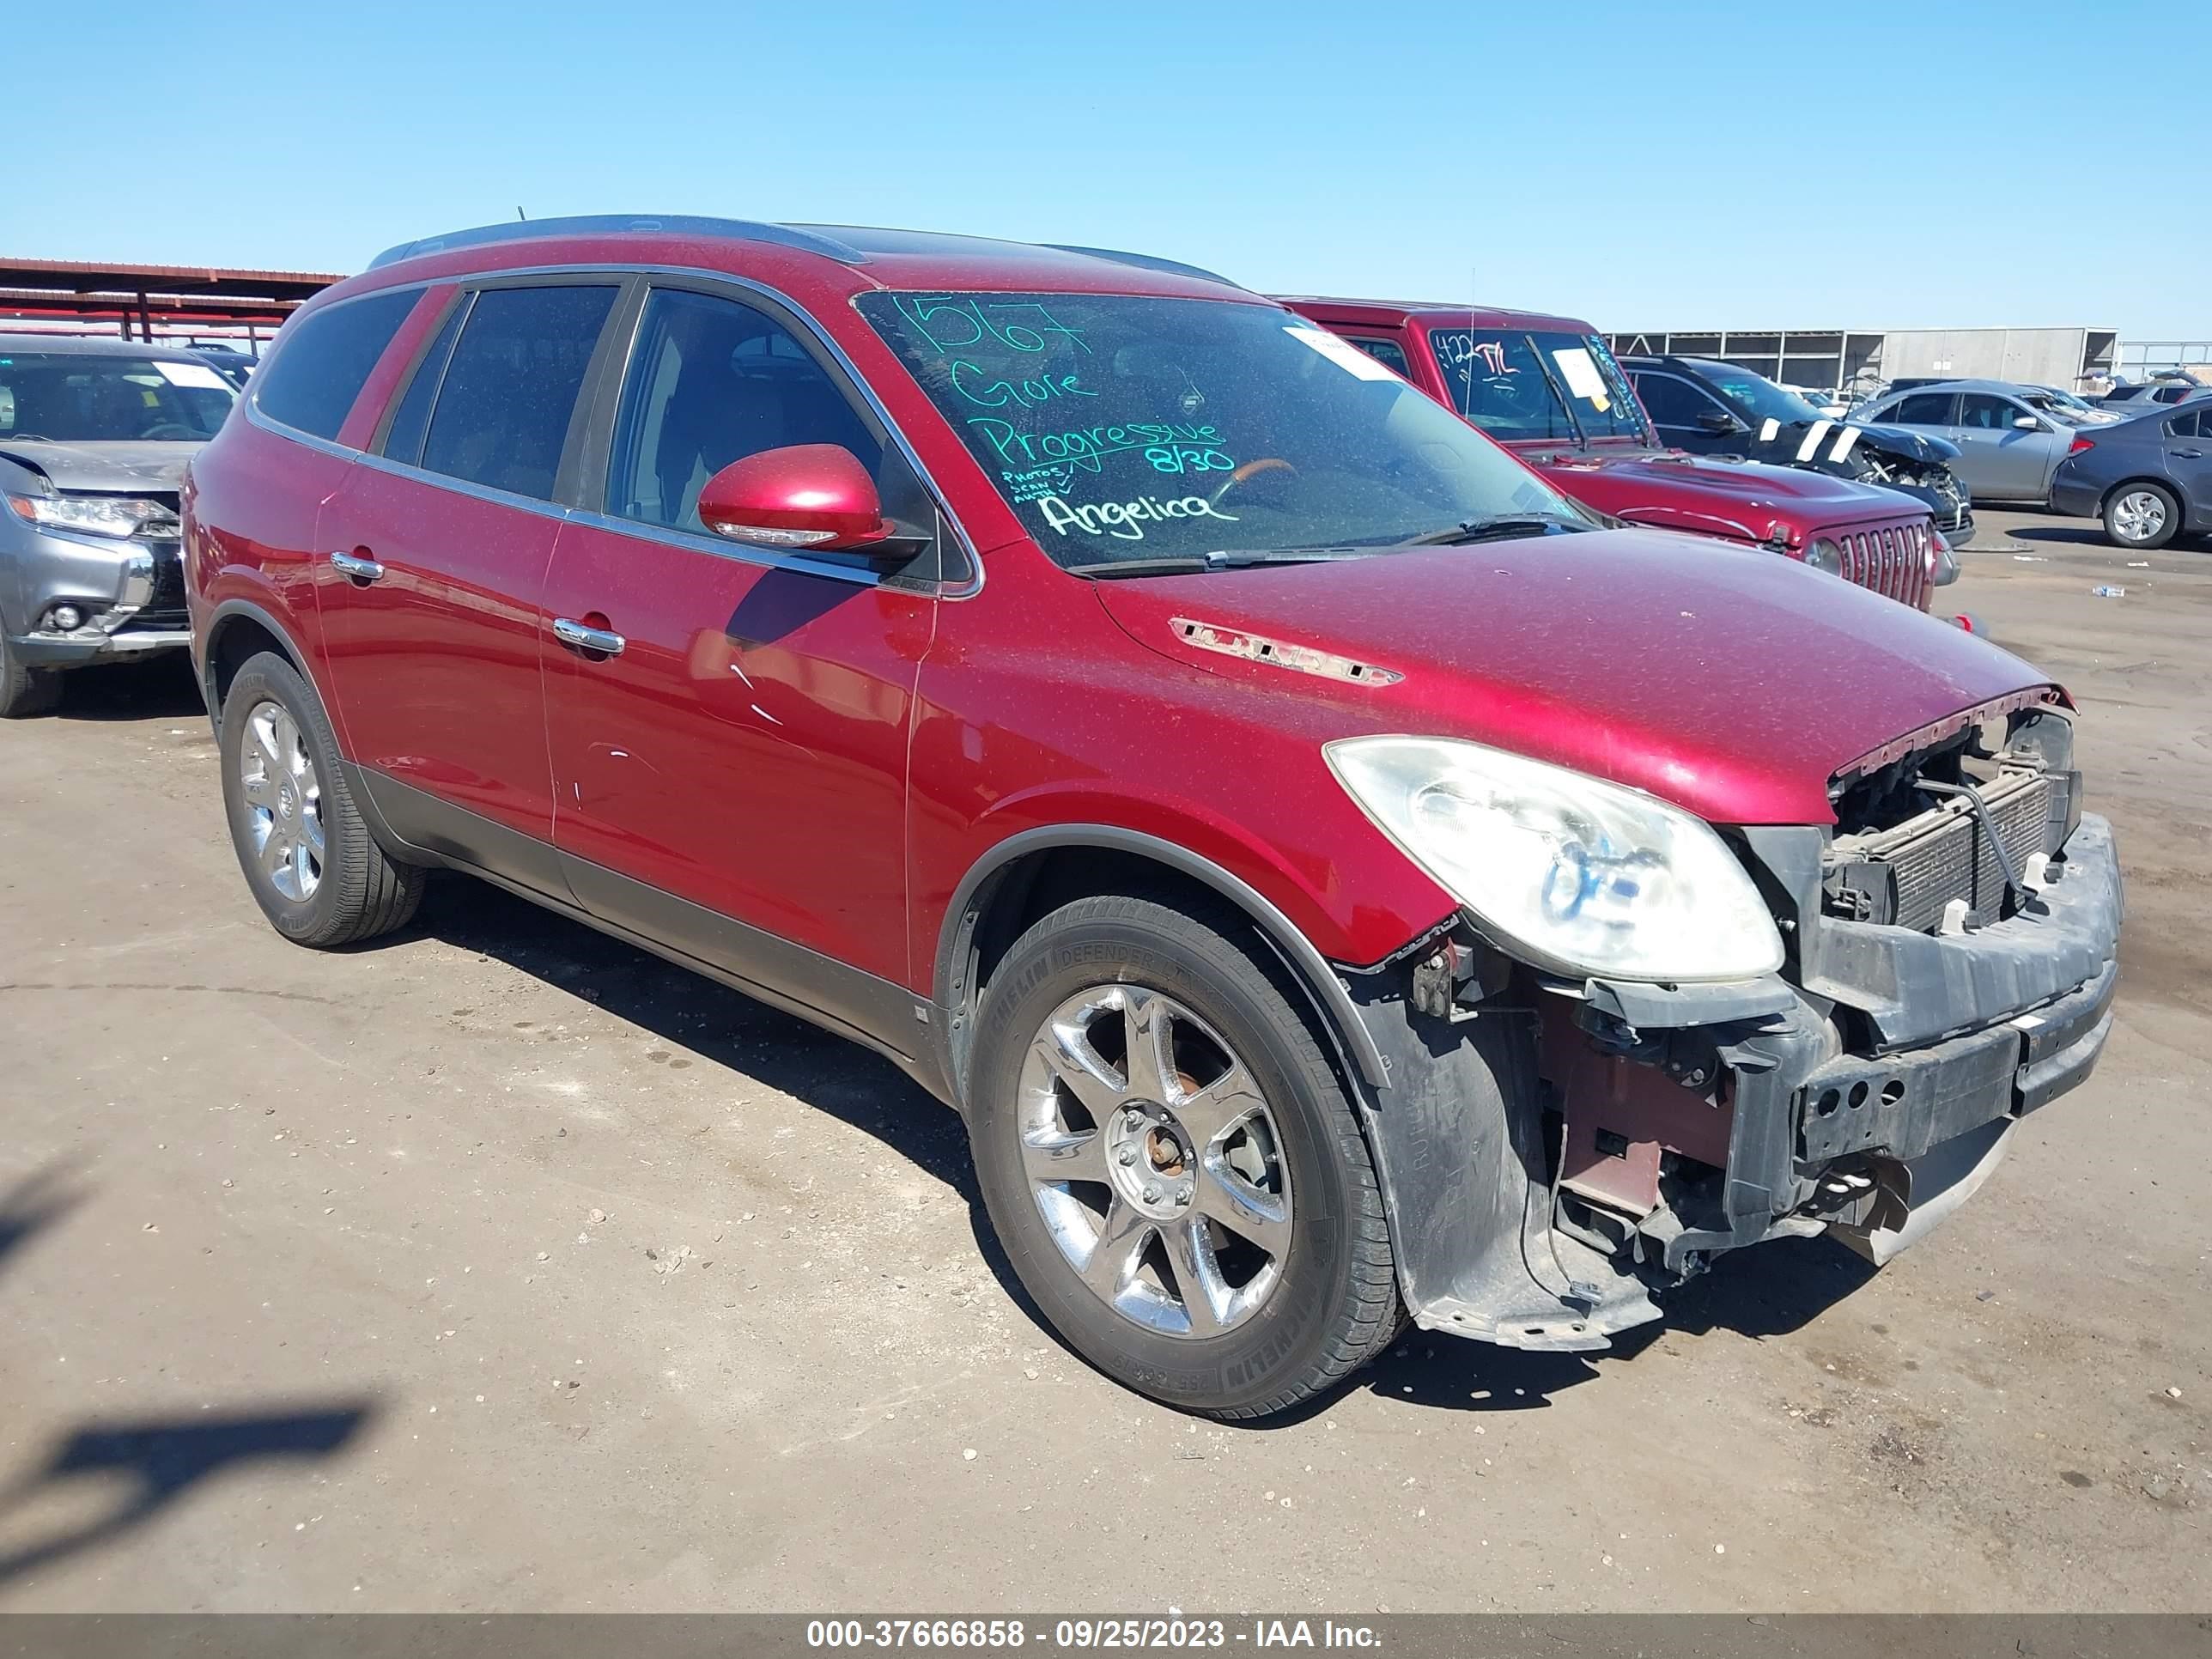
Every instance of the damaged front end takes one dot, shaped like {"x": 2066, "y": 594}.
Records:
{"x": 1555, "y": 1152}
{"x": 1928, "y": 480}
{"x": 1916, "y": 463}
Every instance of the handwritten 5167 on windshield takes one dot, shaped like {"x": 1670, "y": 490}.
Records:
{"x": 959, "y": 324}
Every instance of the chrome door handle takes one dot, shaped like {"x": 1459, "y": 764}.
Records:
{"x": 604, "y": 641}
{"x": 356, "y": 570}
{"x": 2188, "y": 454}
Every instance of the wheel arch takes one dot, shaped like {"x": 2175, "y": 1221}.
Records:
{"x": 998, "y": 897}
{"x": 239, "y": 630}
{"x": 2105, "y": 501}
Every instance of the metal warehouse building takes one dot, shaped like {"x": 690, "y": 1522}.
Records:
{"x": 1858, "y": 359}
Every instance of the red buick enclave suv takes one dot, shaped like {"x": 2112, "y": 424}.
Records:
{"x": 1334, "y": 878}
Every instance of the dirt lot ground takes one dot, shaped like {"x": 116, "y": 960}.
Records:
{"x": 500, "y": 1268}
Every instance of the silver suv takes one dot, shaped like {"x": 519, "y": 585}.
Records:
{"x": 94, "y": 434}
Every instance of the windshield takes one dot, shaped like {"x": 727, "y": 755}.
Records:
{"x": 1123, "y": 429}
{"x": 1760, "y": 397}
{"x": 2057, "y": 410}
{"x": 1516, "y": 385}
{"x": 78, "y": 398}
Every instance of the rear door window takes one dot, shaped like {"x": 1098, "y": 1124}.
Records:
{"x": 2186, "y": 426}
{"x": 313, "y": 377}
{"x": 508, "y": 397}
{"x": 1925, "y": 408}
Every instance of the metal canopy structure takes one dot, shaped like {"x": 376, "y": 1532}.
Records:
{"x": 139, "y": 299}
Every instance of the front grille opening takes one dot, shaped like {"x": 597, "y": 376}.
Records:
{"x": 1910, "y": 851}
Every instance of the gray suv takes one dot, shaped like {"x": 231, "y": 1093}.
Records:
{"x": 94, "y": 434}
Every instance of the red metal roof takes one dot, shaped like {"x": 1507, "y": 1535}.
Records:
{"x": 85, "y": 276}
{"x": 84, "y": 292}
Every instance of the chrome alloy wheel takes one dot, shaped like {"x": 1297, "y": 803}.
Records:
{"x": 1155, "y": 1161}
{"x": 283, "y": 801}
{"x": 2139, "y": 515}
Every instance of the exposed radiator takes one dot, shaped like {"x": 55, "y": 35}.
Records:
{"x": 1907, "y": 876}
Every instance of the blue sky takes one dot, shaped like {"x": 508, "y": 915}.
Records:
{"x": 1659, "y": 165}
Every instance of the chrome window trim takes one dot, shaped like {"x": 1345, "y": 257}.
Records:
{"x": 269, "y": 423}
{"x": 710, "y": 544}
{"x": 537, "y": 504}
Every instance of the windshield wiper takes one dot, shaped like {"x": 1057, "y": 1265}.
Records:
{"x": 1193, "y": 565}
{"x": 1292, "y": 555}
{"x": 1199, "y": 563}
{"x": 1504, "y": 527}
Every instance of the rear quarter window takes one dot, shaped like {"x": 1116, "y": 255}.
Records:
{"x": 311, "y": 379}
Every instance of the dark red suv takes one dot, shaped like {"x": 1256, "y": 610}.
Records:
{"x": 1549, "y": 389}
{"x": 1334, "y": 879}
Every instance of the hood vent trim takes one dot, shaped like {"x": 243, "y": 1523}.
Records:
{"x": 1281, "y": 654}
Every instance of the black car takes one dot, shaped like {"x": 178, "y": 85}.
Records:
{"x": 2149, "y": 479}
{"x": 234, "y": 365}
{"x": 1711, "y": 408}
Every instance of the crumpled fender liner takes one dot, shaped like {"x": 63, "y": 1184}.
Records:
{"x": 1458, "y": 1141}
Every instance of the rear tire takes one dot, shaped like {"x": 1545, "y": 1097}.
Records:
{"x": 1248, "y": 1264}
{"x": 2142, "y": 517}
{"x": 24, "y": 690}
{"x": 314, "y": 869}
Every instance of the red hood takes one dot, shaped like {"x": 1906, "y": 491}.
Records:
{"x": 1718, "y": 676}
{"x": 1741, "y": 499}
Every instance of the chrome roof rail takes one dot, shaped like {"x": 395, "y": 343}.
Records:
{"x": 589, "y": 224}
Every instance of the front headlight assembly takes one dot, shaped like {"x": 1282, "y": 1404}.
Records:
{"x": 1573, "y": 874}
{"x": 95, "y": 515}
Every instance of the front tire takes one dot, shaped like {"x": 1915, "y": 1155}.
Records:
{"x": 314, "y": 869}
{"x": 24, "y": 690}
{"x": 1172, "y": 1165}
{"x": 2141, "y": 517}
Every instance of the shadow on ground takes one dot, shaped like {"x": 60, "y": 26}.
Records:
{"x": 35, "y": 1203}
{"x": 2093, "y": 536}
{"x": 158, "y": 1460}
{"x": 701, "y": 1020}
{"x": 2071, "y": 535}
{"x": 1766, "y": 1291}
{"x": 1771, "y": 1290}
{"x": 161, "y": 689}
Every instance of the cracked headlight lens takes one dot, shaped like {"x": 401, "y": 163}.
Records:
{"x": 1569, "y": 872}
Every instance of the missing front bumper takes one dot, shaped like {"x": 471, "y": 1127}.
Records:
{"x": 1547, "y": 1166}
